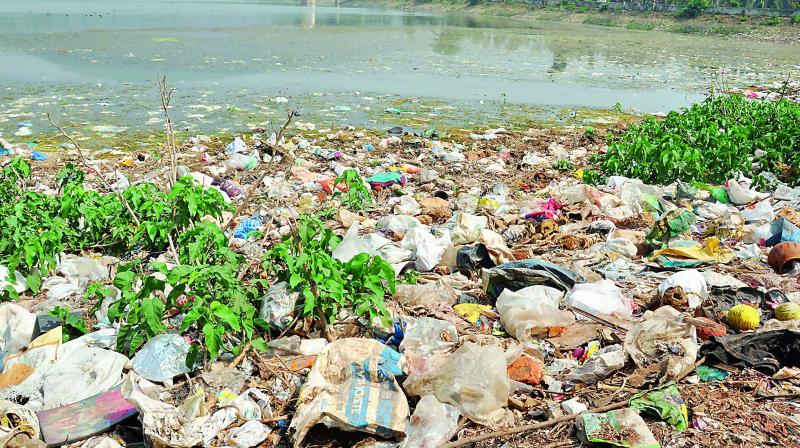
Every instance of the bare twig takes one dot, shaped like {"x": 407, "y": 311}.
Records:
{"x": 260, "y": 179}
{"x": 241, "y": 356}
{"x": 85, "y": 163}
{"x": 166, "y": 95}
{"x": 532, "y": 427}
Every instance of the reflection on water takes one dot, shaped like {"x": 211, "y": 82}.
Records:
{"x": 230, "y": 56}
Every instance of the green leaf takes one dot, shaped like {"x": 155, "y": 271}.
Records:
{"x": 212, "y": 339}
{"x": 124, "y": 280}
{"x": 192, "y": 356}
{"x": 295, "y": 280}
{"x": 223, "y": 312}
{"x": 34, "y": 282}
{"x": 259, "y": 344}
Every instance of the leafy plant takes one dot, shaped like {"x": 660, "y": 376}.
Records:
{"x": 711, "y": 142}
{"x": 72, "y": 326}
{"x": 592, "y": 177}
{"x": 328, "y": 286}
{"x": 563, "y": 165}
{"x": 795, "y": 20}
{"x": 772, "y": 21}
{"x": 206, "y": 289}
{"x": 410, "y": 277}
{"x": 692, "y": 9}
{"x": 356, "y": 195}
{"x": 41, "y": 226}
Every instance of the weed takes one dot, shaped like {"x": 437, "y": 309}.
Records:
{"x": 687, "y": 29}
{"x": 592, "y": 177}
{"x": 640, "y": 26}
{"x": 41, "y": 226}
{"x": 410, "y": 277}
{"x": 795, "y": 20}
{"x": 564, "y": 165}
{"x": 356, "y": 196}
{"x": 772, "y": 21}
{"x": 71, "y": 326}
{"x": 328, "y": 286}
{"x": 711, "y": 142}
{"x": 601, "y": 21}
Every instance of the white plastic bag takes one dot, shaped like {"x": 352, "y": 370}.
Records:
{"x": 473, "y": 379}
{"x": 427, "y": 248}
{"x": 600, "y": 298}
{"x": 466, "y": 228}
{"x": 16, "y": 329}
{"x": 532, "y": 312}
{"x": 663, "y": 335}
{"x": 162, "y": 358}
{"x": 427, "y": 294}
{"x": 691, "y": 281}
{"x": 352, "y": 244}
{"x": 427, "y": 336}
{"x": 432, "y": 424}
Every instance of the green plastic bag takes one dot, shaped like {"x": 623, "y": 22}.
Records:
{"x": 622, "y": 427}
{"x": 672, "y": 224}
{"x": 667, "y": 403}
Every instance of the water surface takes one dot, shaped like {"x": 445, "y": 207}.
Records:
{"x": 233, "y": 62}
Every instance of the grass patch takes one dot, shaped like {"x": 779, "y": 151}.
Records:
{"x": 726, "y": 30}
{"x": 640, "y": 26}
{"x": 601, "y": 21}
{"x": 687, "y": 28}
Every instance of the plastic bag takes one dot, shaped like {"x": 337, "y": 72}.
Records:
{"x": 16, "y": 329}
{"x": 740, "y": 195}
{"x": 427, "y": 248}
{"x": 162, "y": 358}
{"x": 427, "y": 336}
{"x": 352, "y": 244}
{"x": 662, "y": 336}
{"x": 520, "y": 274}
{"x": 691, "y": 281}
{"x": 236, "y": 146}
{"x": 465, "y": 228}
{"x": 278, "y": 305}
{"x": 532, "y": 312}
{"x": 18, "y": 284}
{"x": 621, "y": 427}
{"x": 598, "y": 298}
{"x": 166, "y": 425}
{"x": 667, "y": 403}
{"x": 408, "y": 206}
{"x": 398, "y": 223}
{"x": 432, "y": 424}
{"x": 620, "y": 246}
{"x": 248, "y": 435}
{"x": 600, "y": 365}
{"x": 242, "y": 162}
{"x": 473, "y": 379}
{"x": 427, "y": 294}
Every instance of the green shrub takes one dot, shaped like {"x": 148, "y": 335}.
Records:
{"x": 711, "y": 142}
{"x": 692, "y": 9}
{"x": 795, "y": 20}
{"x": 772, "y": 21}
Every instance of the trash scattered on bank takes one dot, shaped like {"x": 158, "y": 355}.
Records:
{"x": 408, "y": 289}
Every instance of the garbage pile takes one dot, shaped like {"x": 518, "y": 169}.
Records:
{"x": 521, "y": 306}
